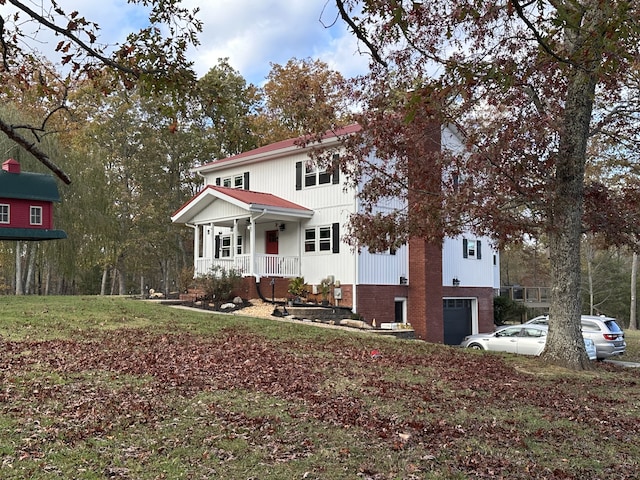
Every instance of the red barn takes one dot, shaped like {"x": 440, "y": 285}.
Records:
{"x": 26, "y": 204}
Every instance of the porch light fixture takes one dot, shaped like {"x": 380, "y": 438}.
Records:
{"x": 281, "y": 227}
{"x": 456, "y": 282}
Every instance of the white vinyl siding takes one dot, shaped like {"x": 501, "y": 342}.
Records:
{"x": 471, "y": 271}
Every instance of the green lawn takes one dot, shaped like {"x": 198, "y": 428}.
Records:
{"x": 103, "y": 387}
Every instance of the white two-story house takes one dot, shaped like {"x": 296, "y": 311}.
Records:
{"x": 272, "y": 215}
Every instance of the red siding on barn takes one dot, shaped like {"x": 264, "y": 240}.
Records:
{"x": 20, "y": 213}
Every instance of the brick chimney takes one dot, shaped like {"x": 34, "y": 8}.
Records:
{"x": 11, "y": 166}
{"x": 425, "y": 310}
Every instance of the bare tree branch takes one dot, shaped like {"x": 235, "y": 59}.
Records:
{"x": 10, "y": 131}
{"x": 359, "y": 33}
{"x": 519, "y": 8}
{"x": 66, "y": 33}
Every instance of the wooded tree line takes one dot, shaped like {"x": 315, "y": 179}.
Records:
{"x": 606, "y": 287}
{"x": 130, "y": 156}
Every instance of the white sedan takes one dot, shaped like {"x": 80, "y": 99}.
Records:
{"x": 527, "y": 339}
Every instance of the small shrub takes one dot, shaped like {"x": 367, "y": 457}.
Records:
{"x": 219, "y": 284}
{"x": 298, "y": 287}
{"x": 505, "y": 310}
{"x": 185, "y": 279}
{"x": 325, "y": 288}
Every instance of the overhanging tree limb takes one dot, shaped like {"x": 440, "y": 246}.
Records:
{"x": 361, "y": 36}
{"x": 66, "y": 33}
{"x": 31, "y": 147}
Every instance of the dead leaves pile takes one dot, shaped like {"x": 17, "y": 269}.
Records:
{"x": 443, "y": 396}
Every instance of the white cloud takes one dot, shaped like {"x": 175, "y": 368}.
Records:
{"x": 252, "y": 34}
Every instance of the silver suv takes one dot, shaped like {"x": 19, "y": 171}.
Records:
{"x": 604, "y": 331}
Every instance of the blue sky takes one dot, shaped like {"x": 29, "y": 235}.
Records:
{"x": 250, "y": 33}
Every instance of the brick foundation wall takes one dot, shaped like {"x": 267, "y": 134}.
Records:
{"x": 378, "y": 302}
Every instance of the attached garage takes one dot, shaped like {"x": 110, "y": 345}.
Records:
{"x": 458, "y": 319}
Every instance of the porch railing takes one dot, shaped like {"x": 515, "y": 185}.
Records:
{"x": 530, "y": 296}
{"x": 265, "y": 265}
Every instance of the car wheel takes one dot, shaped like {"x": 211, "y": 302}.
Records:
{"x": 475, "y": 346}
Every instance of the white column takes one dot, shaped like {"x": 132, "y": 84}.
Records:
{"x": 234, "y": 239}
{"x": 252, "y": 235}
{"x": 212, "y": 242}
{"x": 196, "y": 247}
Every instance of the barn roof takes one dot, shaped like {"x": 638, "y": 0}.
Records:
{"x": 28, "y": 234}
{"x": 28, "y": 186}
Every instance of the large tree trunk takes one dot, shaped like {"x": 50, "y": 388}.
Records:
{"x": 565, "y": 345}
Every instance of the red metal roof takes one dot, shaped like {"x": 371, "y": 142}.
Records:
{"x": 257, "y": 198}
{"x": 247, "y": 197}
{"x": 274, "y": 147}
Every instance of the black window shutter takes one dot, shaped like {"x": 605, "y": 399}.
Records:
{"x": 298, "y": 175}
{"x": 478, "y": 251}
{"x": 216, "y": 254}
{"x": 336, "y": 169}
{"x": 218, "y": 181}
{"x": 246, "y": 180}
{"x": 464, "y": 248}
{"x": 336, "y": 237}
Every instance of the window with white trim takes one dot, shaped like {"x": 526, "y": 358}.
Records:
{"x": 310, "y": 240}
{"x": 314, "y": 175}
{"x": 237, "y": 181}
{"x": 471, "y": 249}
{"x": 4, "y": 213}
{"x": 322, "y": 239}
{"x": 309, "y": 174}
{"x": 35, "y": 216}
{"x": 225, "y": 246}
{"x": 239, "y": 245}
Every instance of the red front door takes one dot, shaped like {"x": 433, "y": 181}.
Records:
{"x": 272, "y": 242}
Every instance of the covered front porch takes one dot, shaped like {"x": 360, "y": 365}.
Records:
{"x": 253, "y": 233}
